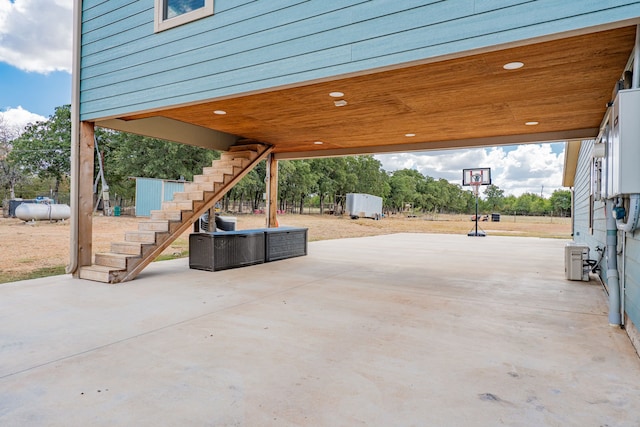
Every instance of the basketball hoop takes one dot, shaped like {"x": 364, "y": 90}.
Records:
{"x": 474, "y": 178}
{"x": 475, "y": 183}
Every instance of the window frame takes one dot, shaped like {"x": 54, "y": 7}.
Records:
{"x": 162, "y": 24}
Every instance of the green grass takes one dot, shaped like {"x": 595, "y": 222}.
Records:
{"x": 36, "y": 274}
{"x": 7, "y": 277}
{"x": 183, "y": 253}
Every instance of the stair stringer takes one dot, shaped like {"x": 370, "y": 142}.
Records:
{"x": 163, "y": 239}
{"x": 188, "y": 221}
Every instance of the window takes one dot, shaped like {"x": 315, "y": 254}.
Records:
{"x": 171, "y": 13}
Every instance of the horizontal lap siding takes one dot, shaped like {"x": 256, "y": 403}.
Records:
{"x": 632, "y": 277}
{"x": 595, "y": 237}
{"x": 581, "y": 194}
{"x": 254, "y": 45}
{"x": 582, "y": 234}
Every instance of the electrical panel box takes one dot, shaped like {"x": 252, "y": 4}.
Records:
{"x": 575, "y": 265}
{"x": 623, "y": 144}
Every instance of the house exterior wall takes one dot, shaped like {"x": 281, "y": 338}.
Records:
{"x": 592, "y": 232}
{"x": 629, "y": 263}
{"x": 254, "y": 45}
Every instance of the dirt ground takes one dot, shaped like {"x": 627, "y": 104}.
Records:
{"x": 26, "y": 247}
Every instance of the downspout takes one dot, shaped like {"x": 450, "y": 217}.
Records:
{"x": 75, "y": 137}
{"x": 612, "y": 265}
{"x": 573, "y": 212}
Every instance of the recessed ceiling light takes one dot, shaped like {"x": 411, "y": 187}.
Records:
{"x": 318, "y": 142}
{"x": 336, "y": 94}
{"x": 220, "y": 112}
{"x": 531, "y": 123}
{"x": 340, "y": 103}
{"x": 409, "y": 134}
{"x": 513, "y": 65}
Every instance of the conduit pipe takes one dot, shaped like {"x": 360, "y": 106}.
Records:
{"x": 635, "y": 79}
{"x": 633, "y": 218}
{"x": 623, "y": 277}
{"x": 612, "y": 266}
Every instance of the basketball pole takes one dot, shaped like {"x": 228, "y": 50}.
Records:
{"x": 475, "y": 178}
{"x": 476, "y": 233}
{"x": 476, "y": 210}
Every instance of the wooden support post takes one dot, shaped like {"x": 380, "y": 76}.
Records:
{"x": 272, "y": 191}
{"x": 212, "y": 218}
{"x": 85, "y": 195}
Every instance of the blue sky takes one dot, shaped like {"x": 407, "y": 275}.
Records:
{"x": 35, "y": 67}
{"x": 35, "y": 92}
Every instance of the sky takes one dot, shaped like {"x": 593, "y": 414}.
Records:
{"x": 35, "y": 78}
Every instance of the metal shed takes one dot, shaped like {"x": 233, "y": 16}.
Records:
{"x": 151, "y": 192}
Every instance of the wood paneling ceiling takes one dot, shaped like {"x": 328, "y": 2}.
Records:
{"x": 564, "y": 86}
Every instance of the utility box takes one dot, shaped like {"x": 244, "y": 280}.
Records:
{"x": 575, "y": 261}
{"x": 623, "y": 149}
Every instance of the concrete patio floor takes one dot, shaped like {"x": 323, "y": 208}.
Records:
{"x": 396, "y": 330}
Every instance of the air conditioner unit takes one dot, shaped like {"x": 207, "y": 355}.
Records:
{"x": 575, "y": 265}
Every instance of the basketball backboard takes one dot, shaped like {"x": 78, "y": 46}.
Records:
{"x": 475, "y": 176}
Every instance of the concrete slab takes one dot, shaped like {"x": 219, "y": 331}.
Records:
{"x": 397, "y": 330}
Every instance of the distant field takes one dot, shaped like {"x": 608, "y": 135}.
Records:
{"x": 42, "y": 248}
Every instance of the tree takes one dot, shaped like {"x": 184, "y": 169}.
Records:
{"x": 10, "y": 175}
{"x": 44, "y": 148}
{"x": 296, "y": 181}
{"x": 509, "y": 203}
{"x": 561, "y": 202}
{"x": 129, "y": 155}
{"x": 333, "y": 176}
{"x": 495, "y": 197}
{"x": 8, "y": 133}
{"x": 250, "y": 187}
{"x": 404, "y": 184}
{"x": 371, "y": 178}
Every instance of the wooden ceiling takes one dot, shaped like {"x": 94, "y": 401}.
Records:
{"x": 564, "y": 85}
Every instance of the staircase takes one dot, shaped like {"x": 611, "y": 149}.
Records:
{"x": 139, "y": 248}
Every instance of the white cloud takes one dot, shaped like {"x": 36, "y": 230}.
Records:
{"x": 530, "y": 168}
{"x": 17, "y": 118}
{"x": 36, "y": 35}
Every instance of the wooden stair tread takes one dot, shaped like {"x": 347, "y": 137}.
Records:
{"x": 115, "y": 259}
{"x": 142, "y": 246}
{"x": 99, "y": 273}
{"x": 101, "y": 268}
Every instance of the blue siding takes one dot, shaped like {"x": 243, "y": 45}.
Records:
{"x": 255, "y": 45}
{"x": 598, "y": 236}
{"x": 632, "y": 278}
{"x": 583, "y": 233}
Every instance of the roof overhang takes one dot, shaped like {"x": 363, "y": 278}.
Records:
{"x": 560, "y": 93}
{"x": 571, "y": 153}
